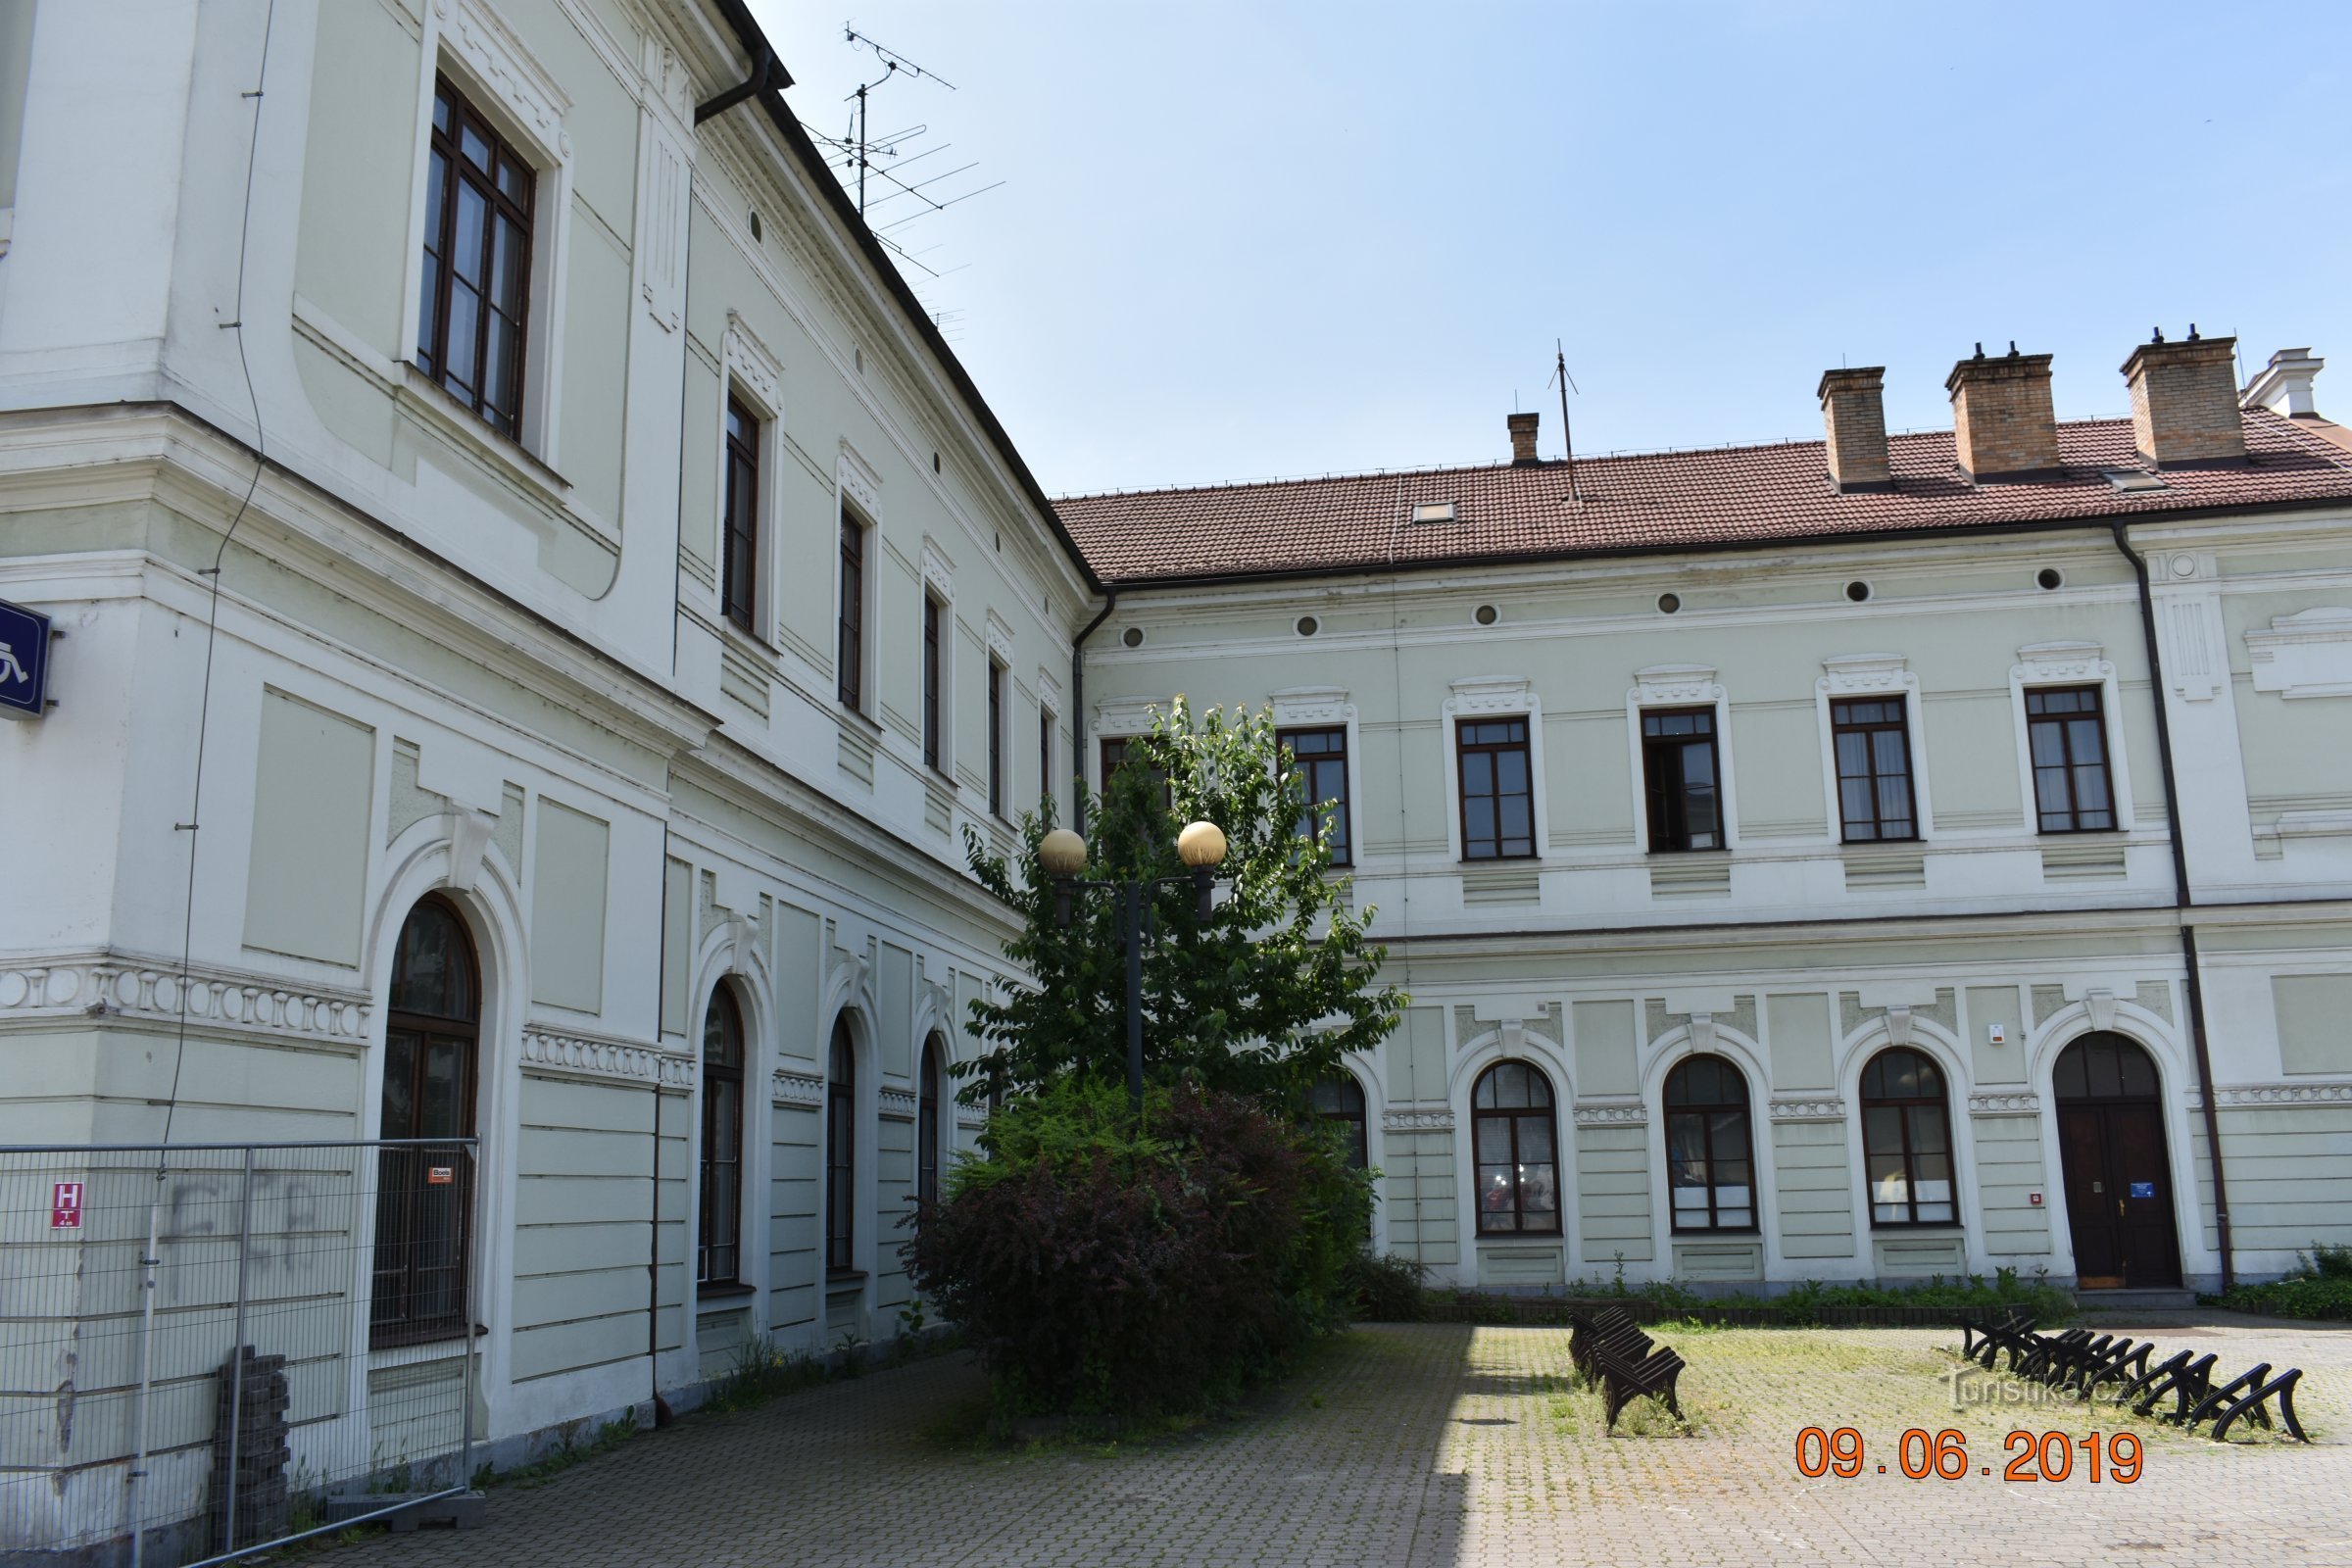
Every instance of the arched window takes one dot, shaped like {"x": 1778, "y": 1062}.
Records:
{"x": 841, "y": 1150}
{"x": 718, "y": 1260}
{"x": 1710, "y": 1163}
{"x": 1341, "y": 1099}
{"x": 424, "y": 1194}
{"x": 1907, "y": 1140}
{"x": 1517, "y": 1143}
{"x": 926, "y": 1127}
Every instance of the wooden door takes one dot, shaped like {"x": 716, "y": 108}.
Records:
{"x": 2119, "y": 1188}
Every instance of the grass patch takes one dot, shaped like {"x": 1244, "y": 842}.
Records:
{"x": 568, "y": 1454}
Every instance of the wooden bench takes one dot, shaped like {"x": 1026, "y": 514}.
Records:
{"x": 1625, "y": 1378}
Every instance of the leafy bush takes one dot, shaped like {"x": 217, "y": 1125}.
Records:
{"x": 2325, "y": 1262}
{"x": 1102, "y": 1270}
{"x": 2320, "y": 1287}
{"x": 1387, "y": 1289}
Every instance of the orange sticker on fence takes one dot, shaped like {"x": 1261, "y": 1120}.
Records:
{"x": 440, "y": 1175}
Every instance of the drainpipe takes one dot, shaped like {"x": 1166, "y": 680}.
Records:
{"x": 1111, "y": 602}
{"x": 2184, "y": 899}
{"x": 764, "y": 74}
{"x": 653, "y": 1246}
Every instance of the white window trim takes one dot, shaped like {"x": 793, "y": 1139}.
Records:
{"x": 938, "y": 587}
{"x": 1328, "y": 708}
{"x": 1493, "y": 697}
{"x": 469, "y": 42}
{"x": 1681, "y": 686}
{"x": 1001, "y": 668}
{"x": 756, "y": 378}
{"x": 858, "y": 493}
{"x": 1048, "y": 712}
{"x": 2070, "y": 663}
{"x": 1873, "y": 675}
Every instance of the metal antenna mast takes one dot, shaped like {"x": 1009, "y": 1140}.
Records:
{"x": 1560, "y": 375}
{"x": 893, "y": 62}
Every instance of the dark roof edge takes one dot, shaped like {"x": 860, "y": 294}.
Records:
{"x": 1526, "y": 558}
{"x": 755, "y": 42}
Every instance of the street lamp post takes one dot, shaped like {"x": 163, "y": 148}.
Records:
{"x": 1061, "y": 855}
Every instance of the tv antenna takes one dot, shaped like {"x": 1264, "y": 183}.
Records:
{"x": 1567, "y": 385}
{"x": 858, "y": 152}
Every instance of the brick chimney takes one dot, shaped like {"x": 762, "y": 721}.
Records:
{"x": 2185, "y": 401}
{"x": 2283, "y": 386}
{"x": 2003, "y": 425}
{"x": 1523, "y": 438}
{"x": 1853, "y": 408}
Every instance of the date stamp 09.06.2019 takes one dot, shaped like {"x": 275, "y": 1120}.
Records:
{"x": 1923, "y": 1455}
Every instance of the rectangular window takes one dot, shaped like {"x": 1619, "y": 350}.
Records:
{"x": 1498, "y": 799}
{"x": 739, "y": 571}
{"x": 1114, "y": 757}
{"x": 1872, "y": 738}
{"x": 932, "y": 616}
{"x": 1679, "y": 768}
{"x": 478, "y": 262}
{"x": 2068, "y": 740}
{"x": 996, "y": 739}
{"x": 1321, "y": 757}
{"x": 850, "y": 645}
{"x": 1044, "y": 753}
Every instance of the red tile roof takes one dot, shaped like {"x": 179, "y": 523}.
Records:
{"x": 1663, "y": 501}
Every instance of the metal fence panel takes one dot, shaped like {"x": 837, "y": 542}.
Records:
{"x": 209, "y": 1348}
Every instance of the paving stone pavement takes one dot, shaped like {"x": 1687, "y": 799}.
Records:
{"x": 1445, "y": 1446}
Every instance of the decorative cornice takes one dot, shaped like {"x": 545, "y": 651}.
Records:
{"x": 1612, "y": 1113}
{"x": 1851, "y": 674}
{"x": 1676, "y": 683}
{"x": 2021, "y": 1104}
{"x": 1491, "y": 694}
{"x": 96, "y": 984}
{"x": 754, "y": 364}
{"x": 1806, "y": 1110}
{"x": 2321, "y": 1093}
{"x": 971, "y": 1118}
{"x": 1418, "y": 1121}
{"x": 859, "y": 482}
{"x": 2040, "y": 664}
{"x": 548, "y": 1054}
{"x": 798, "y": 1088}
{"x": 895, "y": 1104}
{"x": 2308, "y": 654}
{"x": 496, "y": 52}
{"x": 1300, "y": 706}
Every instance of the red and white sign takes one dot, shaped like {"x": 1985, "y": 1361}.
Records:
{"x": 440, "y": 1175}
{"x": 65, "y": 1206}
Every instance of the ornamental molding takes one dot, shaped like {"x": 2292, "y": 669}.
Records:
{"x": 2283, "y": 1093}
{"x": 1858, "y": 674}
{"x": 1660, "y": 684}
{"x": 89, "y": 985}
{"x": 938, "y": 570}
{"x": 1000, "y": 640}
{"x": 496, "y": 54}
{"x": 469, "y": 830}
{"x": 2024, "y": 1104}
{"x": 1048, "y": 690}
{"x": 1806, "y": 1110}
{"x": 1297, "y": 706}
{"x": 1128, "y": 715}
{"x": 1491, "y": 694}
{"x": 804, "y": 1088}
{"x": 2304, "y": 654}
{"x": 971, "y": 1118}
{"x": 2047, "y": 664}
{"x": 859, "y": 482}
{"x": 895, "y": 1104}
{"x": 1611, "y": 1113}
{"x": 548, "y": 1054}
{"x": 754, "y": 364}
{"x": 1418, "y": 1121}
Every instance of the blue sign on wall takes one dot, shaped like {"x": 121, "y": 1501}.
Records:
{"x": 2144, "y": 1188}
{"x": 23, "y": 662}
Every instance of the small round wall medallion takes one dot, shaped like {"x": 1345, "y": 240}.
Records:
{"x": 1858, "y": 590}
{"x": 1132, "y": 636}
{"x": 1668, "y": 603}
{"x": 1485, "y": 615}
{"x": 1308, "y": 626}
{"x": 2049, "y": 577}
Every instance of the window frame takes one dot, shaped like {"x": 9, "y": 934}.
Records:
{"x": 997, "y": 760}
{"x": 742, "y": 521}
{"x": 1047, "y": 795}
{"x": 1900, "y": 725}
{"x": 384, "y": 1333}
{"x": 2063, "y": 724}
{"x": 714, "y": 1075}
{"x": 1345, "y": 816}
{"x": 428, "y": 350}
{"x": 853, "y": 591}
{"x": 840, "y": 1150}
{"x": 1653, "y": 796}
{"x": 1357, "y": 1117}
{"x": 1549, "y": 1112}
{"x": 928, "y": 1123}
{"x": 1463, "y": 750}
{"x": 1904, "y": 1104}
{"x": 935, "y": 678}
{"x": 1704, "y": 1112}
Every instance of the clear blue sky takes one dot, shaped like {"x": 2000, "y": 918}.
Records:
{"x": 1237, "y": 240}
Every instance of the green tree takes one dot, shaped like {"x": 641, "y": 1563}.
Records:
{"x": 1261, "y": 998}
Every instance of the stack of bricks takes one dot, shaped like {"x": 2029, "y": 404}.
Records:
{"x": 2003, "y": 424}
{"x": 1853, "y": 411}
{"x": 253, "y": 1405}
{"x": 2185, "y": 401}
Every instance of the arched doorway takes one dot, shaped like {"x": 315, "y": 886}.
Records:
{"x": 425, "y": 1188}
{"x": 2118, "y": 1172}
